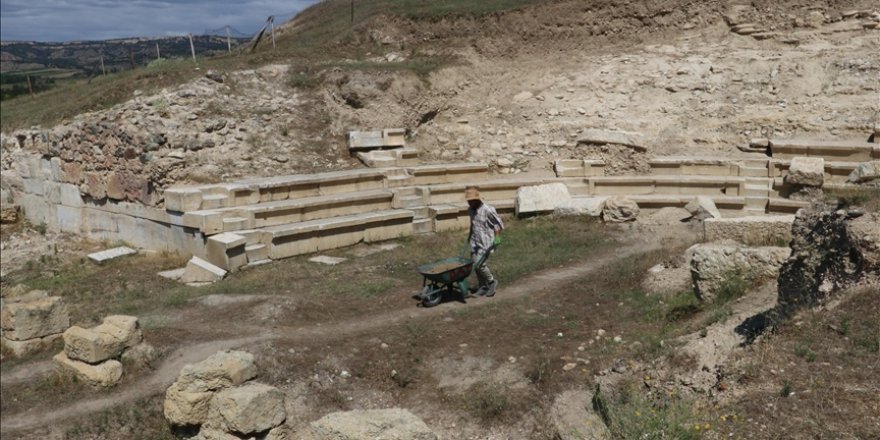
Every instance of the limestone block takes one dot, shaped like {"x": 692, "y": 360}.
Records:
{"x": 201, "y": 271}
{"x": 573, "y": 418}
{"x": 712, "y": 265}
{"x": 226, "y": 251}
{"x": 541, "y": 198}
{"x": 390, "y": 424}
{"x": 865, "y": 172}
{"x": 602, "y": 137}
{"x": 71, "y": 172}
{"x": 105, "y": 341}
{"x": 139, "y": 356}
{"x": 111, "y": 254}
{"x": 247, "y": 409}
{"x": 70, "y": 195}
{"x": 34, "y": 318}
{"x": 69, "y": 219}
{"x": 105, "y": 374}
{"x": 221, "y": 370}
{"x": 52, "y": 191}
{"x": 807, "y": 171}
{"x": 28, "y": 346}
{"x": 184, "y": 406}
{"x": 34, "y": 186}
{"x": 620, "y": 209}
{"x": 591, "y": 206}
{"x": 183, "y": 199}
{"x": 702, "y": 208}
{"x": 752, "y": 230}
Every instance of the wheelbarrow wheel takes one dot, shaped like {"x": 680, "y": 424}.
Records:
{"x": 431, "y": 297}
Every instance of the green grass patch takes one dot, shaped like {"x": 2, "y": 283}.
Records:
{"x": 632, "y": 415}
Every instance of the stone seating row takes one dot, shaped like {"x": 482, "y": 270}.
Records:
{"x": 253, "y": 191}
{"x": 835, "y": 151}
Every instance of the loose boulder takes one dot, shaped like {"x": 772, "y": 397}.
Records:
{"x": 715, "y": 265}
{"x": 702, "y": 208}
{"x": 574, "y": 419}
{"x": 103, "y": 342}
{"x": 806, "y": 171}
{"x": 865, "y": 172}
{"x": 590, "y": 206}
{"x": 619, "y": 210}
{"x": 247, "y": 409}
{"x": 34, "y": 315}
{"x": 387, "y": 424}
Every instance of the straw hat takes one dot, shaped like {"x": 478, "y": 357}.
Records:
{"x": 471, "y": 193}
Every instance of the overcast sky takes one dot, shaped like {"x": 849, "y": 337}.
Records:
{"x": 65, "y": 20}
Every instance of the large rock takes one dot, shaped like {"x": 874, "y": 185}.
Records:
{"x": 865, "y": 172}
{"x": 185, "y": 407}
{"x": 702, "y": 208}
{"x": 574, "y": 419}
{"x": 714, "y": 264}
{"x": 386, "y": 424}
{"x": 831, "y": 250}
{"x": 806, "y": 171}
{"x": 28, "y": 346}
{"x": 541, "y": 198}
{"x": 247, "y": 409}
{"x": 105, "y": 374}
{"x": 103, "y": 342}
{"x": 33, "y": 317}
{"x": 620, "y": 209}
{"x": 187, "y": 400}
{"x": 221, "y": 370}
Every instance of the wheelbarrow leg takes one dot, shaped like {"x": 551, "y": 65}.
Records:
{"x": 463, "y": 287}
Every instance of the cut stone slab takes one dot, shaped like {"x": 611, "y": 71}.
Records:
{"x": 33, "y": 316}
{"x": 226, "y": 251}
{"x": 186, "y": 407}
{"x": 105, "y": 374}
{"x": 573, "y": 417}
{"x": 540, "y": 199}
{"x": 752, "y": 230}
{"x": 702, "y": 208}
{"x": 325, "y": 259}
{"x": 247, "y": 409}
{"x": 591, "y": 206}
{"x": 200, "y": 271}
{"x": 386, "y": 424}
{"x": 603, "y": 137}
{"x": 865, "y": 172}
{"x": 619, "y": 210}
{"x": 807, "y": 171}
{"x": 174, "y": 274}
{"x": 111, "y": 254}
{"x": 712, "y": 265}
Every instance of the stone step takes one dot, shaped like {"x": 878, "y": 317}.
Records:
{"x": 423, "y": 225}
{"x": 745, "y": 171}
{"x": 400, "y": 181}
{"x": 408, "y": 202}
{"x": 756, "y": 191}
{"x": 756, "y": 204}
{"x": 215, "y": 201}
{"x": 256, "y": 252}
{"x": 235, "y": 224}
{"x": 421, "y": 212}
{"x": 849, "y": 151}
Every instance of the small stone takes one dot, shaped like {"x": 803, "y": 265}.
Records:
{"x": 569, "y": 366}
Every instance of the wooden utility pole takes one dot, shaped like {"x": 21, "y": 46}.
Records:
{"x": 192, "y": 47}
{"x": 103, "y": 71}
{"x": 272, "y": 25}
{"x": 158, "y": 55}
{"x": 30, "y": 87}
{"x": 131, "y": 54}
{"x": 228, "y": 40}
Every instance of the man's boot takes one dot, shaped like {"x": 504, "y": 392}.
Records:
{"x": 490, "y": 290}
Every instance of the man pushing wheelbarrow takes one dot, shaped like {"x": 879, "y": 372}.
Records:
{"x": 484, "y": 236}
{"x": 450, "y": 275}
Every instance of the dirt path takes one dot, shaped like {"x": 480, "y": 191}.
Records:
{"x": 541, "y": 283}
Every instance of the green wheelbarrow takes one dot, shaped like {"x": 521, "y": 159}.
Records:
{"x": 449, "y": 275}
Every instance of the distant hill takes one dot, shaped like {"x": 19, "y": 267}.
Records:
{"x": 85, "y": 56}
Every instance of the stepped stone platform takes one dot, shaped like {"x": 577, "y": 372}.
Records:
{"x": 250, "y": 221}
